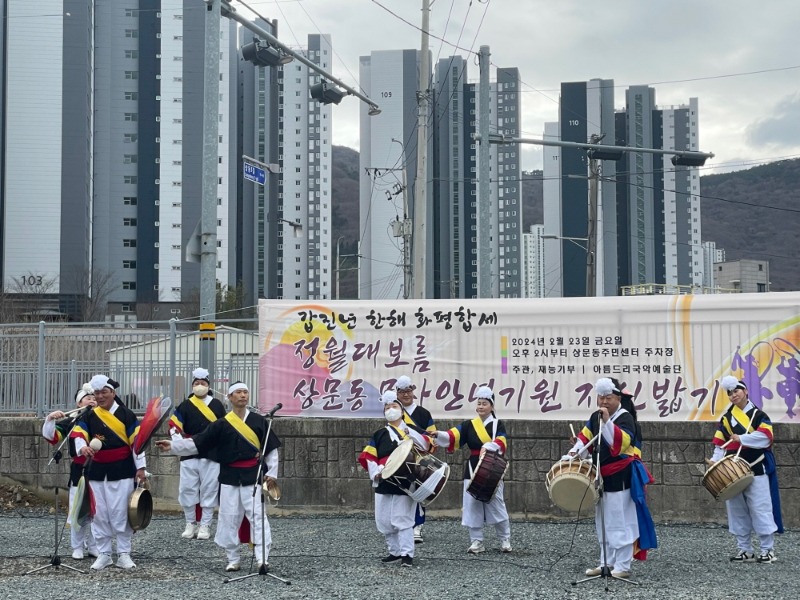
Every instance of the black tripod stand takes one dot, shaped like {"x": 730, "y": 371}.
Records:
{"x": 263, "y": 569}
{"x": 605, "y": 569}
{"x": 55, "y": 559}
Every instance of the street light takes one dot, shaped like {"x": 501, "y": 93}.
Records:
{"x": 297, "y": 228}
{"x": 326, "y": 93}
{"x": 574, "y": 240}
{"x": 262, "y": 54}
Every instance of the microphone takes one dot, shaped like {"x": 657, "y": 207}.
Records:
{"x": 275, "y": 409}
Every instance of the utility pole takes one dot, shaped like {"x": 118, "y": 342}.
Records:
{"x": 484, "y": 202}
{"x": 338, "y": 272}
{"x": 421, "y": 183}
{"x": 208, "y": 214}
{"x": 591, "y": 231}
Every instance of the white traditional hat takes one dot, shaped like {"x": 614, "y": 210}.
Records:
{"x": 485, "y": 393}
{"x": 605, "y": 386}
{"x": 99, "y": 382}
{"x": 237, "y": 386}
{"x": 730, "y": 383}
{"x": 404, "y": 383}
{"x": 200, "y": 373}
{"x": 388, "y": 397}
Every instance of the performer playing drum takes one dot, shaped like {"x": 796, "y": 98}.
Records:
{"x": 485, "y": 432}
{"x": 747, "y": 431}
{"x": 629, "y": 530}
{"x": 414, "y": 414}
{"x": 394, "y": 508}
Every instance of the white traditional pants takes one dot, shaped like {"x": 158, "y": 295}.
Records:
{"x": 80, "y": 538}
{"x": 477, "y": 513}
{"x": 394, "y": 517}
{"x": 199, "y": 485}
{"x": 622, "y": 529}
{"x": 111, "y": 516}
{"x": 752, "y": 511}
{"x": 235, "y": 503}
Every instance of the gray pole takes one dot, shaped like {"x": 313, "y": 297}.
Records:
{"x": 591, "y": 236}
{"x": 484, "y": 202}
{"x": 208, "y": 215}
{"x": 421, "y": 183}
{"x": 338, "y": 265}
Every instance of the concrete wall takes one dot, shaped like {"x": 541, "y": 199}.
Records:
{"x": 319, "y": 472}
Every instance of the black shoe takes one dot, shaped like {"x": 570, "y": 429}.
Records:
{"x": 407, "y": 561}
{"x": 390, "y": 558}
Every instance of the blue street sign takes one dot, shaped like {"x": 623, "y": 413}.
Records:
{"x": 254, "y": 173}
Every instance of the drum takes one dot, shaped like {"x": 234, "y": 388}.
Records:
{"x": 400, "y": 467}
{"x": 420, "y": 475}
{"x": 570, "y": 484}
{"x": 728, "y": 477}
{"x": 272, "y": 491}
{"x": 490, "y": 470}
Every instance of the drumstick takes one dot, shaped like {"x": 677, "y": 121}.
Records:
{"x": 572, "y": 430}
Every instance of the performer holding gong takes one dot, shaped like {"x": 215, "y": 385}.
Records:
{"x": 238, "y": 440}
{"x": 746, "y": 431}
{"x": 485, "y": 436}
{"x": 107, "y": 435}
{"x": 394, "y": 508}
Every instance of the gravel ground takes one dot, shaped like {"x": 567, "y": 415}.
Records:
{"x": 337, "y": 557}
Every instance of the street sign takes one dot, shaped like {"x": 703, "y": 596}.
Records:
{"x": 254, "y": 173}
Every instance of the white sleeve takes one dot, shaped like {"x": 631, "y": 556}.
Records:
{"x": 420, "y": 441}
{"x": 579, "y": 448}
{"x": 80, "y": 444}
{"x": 140, "y": 461}
{"x": 719, "y": 453}
{"x": 374, "y": 468}
{"x": 757, "y": 439}
{"x": 272, "y": 464}
{"x": 442, "y": 438}
{"x": 607, "y": 429}
{"x": 49, "y": 430}
{"x": 184, "y": 447}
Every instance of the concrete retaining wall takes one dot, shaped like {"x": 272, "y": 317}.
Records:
{"x": 319, "y": 472}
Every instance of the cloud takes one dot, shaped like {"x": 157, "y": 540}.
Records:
{"x": 781, "y": 129}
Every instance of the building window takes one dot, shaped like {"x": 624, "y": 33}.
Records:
{"x": 131, "y": 54}
{"x": 131, "y": 74}
{"x": 129, "y": 222}
{"x": 131, "y": 33}
{"x": 128, "y": 264}
{"x": 131, "y": 116}
{"x": 129, "y": 243}
{"x": 130, "y": 138}
{"x": 130, "y": 159}
{"x": 131, "y": 95}
{"x": 128, "y": 285}
{"x": 129, "y": 200}
{"x": 130, "y": 179}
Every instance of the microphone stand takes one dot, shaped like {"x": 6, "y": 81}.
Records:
{"x": 263, "y": 569}
{"x": 605, "y": 569}
{"x": 55, "y": 559}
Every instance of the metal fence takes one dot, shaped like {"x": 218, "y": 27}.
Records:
{"x": 42, "y": 365}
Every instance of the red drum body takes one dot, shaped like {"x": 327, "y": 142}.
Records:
{"x": 487, "y": 476}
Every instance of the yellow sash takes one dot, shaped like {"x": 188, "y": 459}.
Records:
{"x": 244, "y": 430}
{"x": 480, "y": 429}
{"x": 203, "y": 408}
{"x": 742, "y": 418}
{"x": 113, "y": 423}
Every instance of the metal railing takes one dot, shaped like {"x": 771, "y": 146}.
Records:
{"x": 43, "y": 364}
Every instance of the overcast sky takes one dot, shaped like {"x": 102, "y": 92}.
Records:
{"x": 740, "y": 58}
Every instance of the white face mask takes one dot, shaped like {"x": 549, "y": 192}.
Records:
{"x": 200, "y": 390}
{"x": 392, "y": 414}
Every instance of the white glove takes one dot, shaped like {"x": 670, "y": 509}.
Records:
{"x": 442, "y": 438}
{"x": 173, "y": 433}
{"x": 494, "y": 446}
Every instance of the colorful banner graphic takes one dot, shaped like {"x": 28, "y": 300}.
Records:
{"x": 541, "y": 357}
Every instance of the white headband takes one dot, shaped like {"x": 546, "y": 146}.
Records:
{"x": 237, "y": 386}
